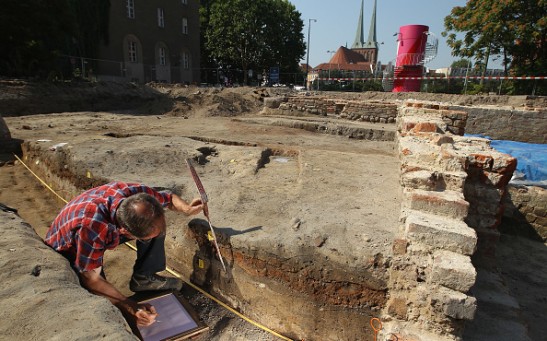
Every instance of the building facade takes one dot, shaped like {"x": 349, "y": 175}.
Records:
{"x": 152, "y": 41}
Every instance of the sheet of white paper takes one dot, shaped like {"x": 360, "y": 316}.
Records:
{"x": 172, "y": 319}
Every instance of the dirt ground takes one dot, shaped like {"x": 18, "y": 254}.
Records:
{"x": 340, "y": 191}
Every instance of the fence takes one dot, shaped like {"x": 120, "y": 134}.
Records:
{"x": 89, "y": 69}
{"x": 529, "y": 85}
{"x": 73, "y": 67}
{"x": 456, "y": 81}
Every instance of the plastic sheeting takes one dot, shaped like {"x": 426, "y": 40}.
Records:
{"x": 531, "y": 160}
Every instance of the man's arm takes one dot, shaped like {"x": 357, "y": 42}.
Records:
{"x": 144, "y": 315}
{"x": 179, "y": 205}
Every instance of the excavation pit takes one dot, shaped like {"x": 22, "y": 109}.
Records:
{"x": 305, "y": 230}
{"x": 307, "y": 208}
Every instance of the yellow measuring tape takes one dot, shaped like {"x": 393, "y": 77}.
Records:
{"x": 173, "y": 272}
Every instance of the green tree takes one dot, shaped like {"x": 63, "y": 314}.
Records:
{"x": 35, "y": 33}
{"x": 92, "y": 25}
{"x": 461, "y": 63}
{"x": 514, "y": 30}
{"x": 253, "y": 34}
{"x": 207, "y": 61}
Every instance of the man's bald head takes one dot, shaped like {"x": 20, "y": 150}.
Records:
{"x": 141, "y": 215}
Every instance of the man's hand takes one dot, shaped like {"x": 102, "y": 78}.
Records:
{"x": 142, "y": 314}
{"x": 145, "y": 315}
{"x": 192, "y": 208}
{"x": 195, "y": 207}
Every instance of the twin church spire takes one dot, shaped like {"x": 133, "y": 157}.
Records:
{"x": 359, "y": 42}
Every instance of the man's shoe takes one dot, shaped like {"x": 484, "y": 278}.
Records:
{"x": 154, "y": 282}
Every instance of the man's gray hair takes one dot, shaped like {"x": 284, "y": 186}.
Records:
{"x": 138, "y": 213}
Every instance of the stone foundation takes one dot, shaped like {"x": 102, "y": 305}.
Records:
{"x": 453, "y": 188}
{"x": 525, "y": 212}
{"x": 524, "y": 124}
{"x": 516, "y": 118}
{"x": 454, "y": 196}
{"x": 365, "y": 111}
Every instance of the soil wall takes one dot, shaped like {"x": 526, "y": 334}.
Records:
{"x": 43, "y": 284}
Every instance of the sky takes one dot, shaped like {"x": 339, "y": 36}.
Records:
{"x": 337, "y": 20}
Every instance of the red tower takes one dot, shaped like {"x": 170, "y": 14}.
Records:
{"x": 411, "y": 56}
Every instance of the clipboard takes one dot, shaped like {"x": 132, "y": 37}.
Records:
{"x": 176, "y": 319}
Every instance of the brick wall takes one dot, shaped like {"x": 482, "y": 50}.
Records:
{"x": 525, "y": 212}
{"x": 366, "y": 111}
{"x": 456, "y": 196}
{"x": 500, "y": 117}
{"x": 453, "y": 187}
{"x": 525, "y": 124}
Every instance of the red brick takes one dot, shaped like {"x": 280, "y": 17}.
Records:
{"x": 481, "y": 161}
{"x": 425, "y": 127}
{"x": 504, "y": 165}
{"x": 406, "y": 152}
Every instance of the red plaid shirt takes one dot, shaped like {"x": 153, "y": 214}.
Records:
{"x": 87, "y": 225}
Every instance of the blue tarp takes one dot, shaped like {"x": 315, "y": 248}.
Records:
{"x": 531, "y": 160}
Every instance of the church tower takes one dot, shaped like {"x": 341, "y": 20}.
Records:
{"x": 359, "y": 42}
{"x": 368, "y": 49}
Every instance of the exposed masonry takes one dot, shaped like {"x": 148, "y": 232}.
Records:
{"x": 453, "y": 188}
{"x": 366, "y": 111}
{"x": 505, "y": 121}
{"x": 527, "y": 124}
{"x": 525, "y": 212}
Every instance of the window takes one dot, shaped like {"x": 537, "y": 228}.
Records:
{"x": 184, "y": 26}
{"x": 161, "y": 53}
{"x": 132, "y": 49}
{"x": 161, "y": 21}
{"x": 185, "y": 60}
{"x": 131, "y": 9}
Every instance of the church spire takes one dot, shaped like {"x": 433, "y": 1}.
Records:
{"x": 359, "y": 36}
{"x": 372, "y": 43}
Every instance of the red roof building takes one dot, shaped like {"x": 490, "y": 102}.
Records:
{"x": 347, "y": 60}
{"x": 363, "y": 55}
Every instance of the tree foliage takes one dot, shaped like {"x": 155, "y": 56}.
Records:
{"x": 92, "y": 25}
{"x": 253, "y": 34}
{"x": 514, "y": 30}
{"x": 35, "y": 33}
{"x": 461, "y": 63}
